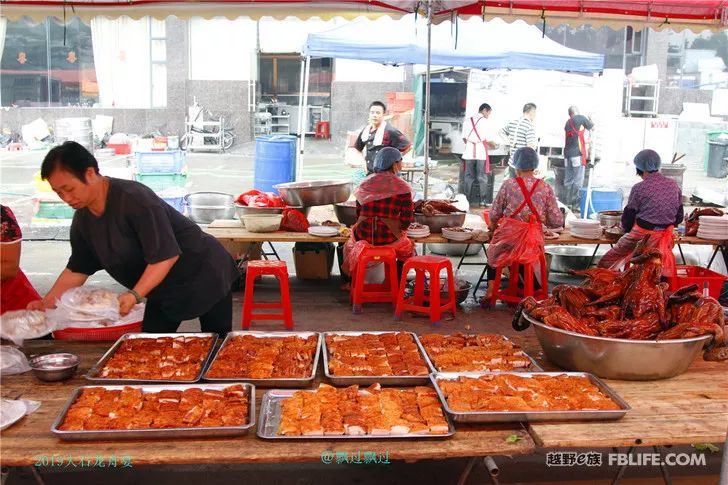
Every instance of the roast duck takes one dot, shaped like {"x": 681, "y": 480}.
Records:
{"x": 434, "y": 207}
{"x": 692, "y": 221}
{"x": 633, "y": 304}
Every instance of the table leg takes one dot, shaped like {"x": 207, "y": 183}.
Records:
{"x": 468, "y": 468}
{"x": 724, "y": 463}
{"x": 594, "y": 255}
{"x": 36, "y": 475}
{"x": 480, "y": 280}
{"x": 621, "y": 469}
{"x": 4, "y": 472}
{"x": 272, "y": 253}
{"x": 679, "y": 248}
{"x": 462, "y": 258}
{"x": 715, "y": 253}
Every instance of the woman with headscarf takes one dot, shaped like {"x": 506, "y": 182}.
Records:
{"x": 384, "y": 209}
{"x": 522, "y": 206}
{"x": 653, "y": 209}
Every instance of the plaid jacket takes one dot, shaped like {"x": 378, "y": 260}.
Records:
{"x": 377, "y": 232}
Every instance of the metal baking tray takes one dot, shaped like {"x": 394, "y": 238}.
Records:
{"x": 93, "y": 372}
{"x": 119, "y": 434}
{"x": 383, "y": 380}
{"x": 531, "y": 416}
{"x": 533, "y": 367}
{"x": 270, "y": 418}
{"x": 285, "y": 382}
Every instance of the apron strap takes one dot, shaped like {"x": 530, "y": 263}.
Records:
{"x": 474, "y": 129}
{"x": 527, "y": 197}
{"x": 582, "y": 142}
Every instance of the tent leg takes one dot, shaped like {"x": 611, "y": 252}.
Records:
{"x": 427, "y": 98}
{"x": 299, "y": 125}
{"x": 303, "y": 115}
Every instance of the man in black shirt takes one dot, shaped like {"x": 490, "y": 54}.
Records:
{"x": 575, "y": 155}
{"x": 379, "y": 134}
{"x": 143, "y": 243}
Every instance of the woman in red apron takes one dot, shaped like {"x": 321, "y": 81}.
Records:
{"x": 653, "y": 210}
{"x": 15, "y": 289}
{"x": 521, "y": 207}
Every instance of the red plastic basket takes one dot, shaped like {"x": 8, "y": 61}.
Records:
{"x": 695, "y": 275}
{"x": 120, "y": 148}
{"x": 100, "y": 333}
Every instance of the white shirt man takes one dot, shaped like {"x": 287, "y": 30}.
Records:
{"x": 476, "y": 162}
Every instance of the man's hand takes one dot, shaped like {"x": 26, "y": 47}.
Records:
{"x": 126, "y": 303}
{"x": 40, "y": 305}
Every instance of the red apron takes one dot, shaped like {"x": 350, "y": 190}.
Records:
{"x": 582, "y": 141}
{"x": 474, "y": 129}
{"x": 662, "y": 239}
{"x": 515, "y": 241}
{"x": 17, "y": 293}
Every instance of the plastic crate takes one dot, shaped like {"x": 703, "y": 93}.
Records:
{"x": 162, "y": 181}
{"x": 695, "y": 275}
{"x": 176, "y": 202}
{"x": 169, "y": 161}
{"x": 54, "y": 210}
{"x": 100, "y": 333}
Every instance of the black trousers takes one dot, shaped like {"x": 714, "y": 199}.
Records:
{"x": 219, "y": 319}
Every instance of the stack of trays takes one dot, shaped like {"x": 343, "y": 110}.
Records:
{"x": 586, "y": 229}
{"x": 713, "y": 227}
{"x": 457, "y": 233}
{"x": 416, "y": 231}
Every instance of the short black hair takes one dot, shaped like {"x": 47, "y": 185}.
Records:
{"x": 640, "y": 172}
{"x": 71, "y": 157}
{"x": 380, "y": 104}
{"x": 484, "y": 106}
{"x": 528, "y": 107}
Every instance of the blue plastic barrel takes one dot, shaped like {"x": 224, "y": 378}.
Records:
{"x": 602, "y": 199}
{"x": 275, "y": 161}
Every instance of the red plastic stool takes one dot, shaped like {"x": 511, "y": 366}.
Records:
{"x": 513, "y": 294}
{"x": 385, "y": 292}
{"x": 15, "y": 147}
{"x": 323, "y": 130}
{"x": 416, "y": 303}
{"x": 280, "y": 271}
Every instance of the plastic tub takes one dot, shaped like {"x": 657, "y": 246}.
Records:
{"x": 602, "y": 199}
{"x": 262, "y": 223}
{"x": 169, "y": 161}
{"x": 100, "y": 333}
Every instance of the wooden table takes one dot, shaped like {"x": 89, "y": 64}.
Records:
{"x": 31, "y": 438}
{"x": 690, "y": 408}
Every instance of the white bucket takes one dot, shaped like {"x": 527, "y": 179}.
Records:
{"x": 172, "y": 142}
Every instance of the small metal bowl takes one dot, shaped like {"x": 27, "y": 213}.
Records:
{"x": 54, "y": 367}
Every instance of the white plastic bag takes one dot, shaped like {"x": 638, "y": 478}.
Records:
{"x": 86, "y": 303}
{"x": 11, "y": 410}
{"x": 12, "y": 361}
{"x": 61, "y": 319}
{"x": 19, "y": 325}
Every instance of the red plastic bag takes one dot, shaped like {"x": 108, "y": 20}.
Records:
{"x": 245, "y": 197}
{"x": 294, "y": 220}
{"x": 274, "y": 200}
{"x": 516, "y": 241}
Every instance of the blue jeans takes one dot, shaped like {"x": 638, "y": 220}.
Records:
{"x": 573, "y": 181}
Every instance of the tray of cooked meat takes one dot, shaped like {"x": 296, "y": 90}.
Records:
{"x": 280, "y": 359}
{"x": 387, "y": 358}
{"x": 156, "y": 411}
{"x": 477, "y": 397}
{"x": 626, "y": 325}
{"x": 155, "y": 357}
{"x": 475, "y": 353}
{"x": 374, "y": 412}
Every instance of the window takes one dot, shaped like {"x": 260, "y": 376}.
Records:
{"x": 45, "y": 64}
{"x": 280, "y": 77}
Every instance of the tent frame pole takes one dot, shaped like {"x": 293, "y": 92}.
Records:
{"x": 427, "y": 98}
{"x": 303, "y": 115}
{"x": 299, "y": 124}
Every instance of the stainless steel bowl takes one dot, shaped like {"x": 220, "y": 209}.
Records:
{"x": 455, "y": 249}
{"x": 610, "y": 218}
{"x": 437, "y": 222}
{"x": 315, "y": 192}
{"x": 346, "y": 212}
{"x": 54, "y": 367}
{"x": 611, "y": 358}
{"x": 567, "y": 258}
{"x": 205, "y": 207}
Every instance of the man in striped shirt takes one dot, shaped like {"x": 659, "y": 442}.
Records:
{"x": 520, "y": 133}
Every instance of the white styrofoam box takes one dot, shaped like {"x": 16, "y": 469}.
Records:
{"x": 661, "y": 136}
{"x": 719, "y": 107}
{"x": 125, "y": 173}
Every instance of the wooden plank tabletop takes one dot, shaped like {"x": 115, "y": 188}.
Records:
{"x": 30, "y": 438}
{"x": 690, "y": 408}
{"x": 232, "y": 230}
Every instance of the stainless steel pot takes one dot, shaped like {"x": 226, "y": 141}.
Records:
{"x": 611, "y": 358}
{"x": 205, "y": 207}
{"x": 316, "y": 192}
{"x": 346, "y": 212}
{"x": 437, "y": 222}
{"x": 610, "y": 218}
{"x": 455, "y": 249}
{"x": 567, "y": 258}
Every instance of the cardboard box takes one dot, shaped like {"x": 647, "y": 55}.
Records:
{"x": 313, "y": 261}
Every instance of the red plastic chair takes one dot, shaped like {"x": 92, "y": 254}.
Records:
{"x": 433, "y": 265}
{"x": 385, "y": 292}
{"x": 323, "y": 130}
{"x": 514, "y": 294}
{"x": 280, "y": 271}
